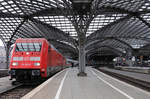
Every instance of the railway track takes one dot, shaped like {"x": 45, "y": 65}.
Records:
{"x": 10, "y": 88}
{"x": 17, "y": 92}
{"x": 135, "y": 82}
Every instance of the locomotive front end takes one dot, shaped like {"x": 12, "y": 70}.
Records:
{"x": 25, "y": 62}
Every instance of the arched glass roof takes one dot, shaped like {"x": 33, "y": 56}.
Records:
{"x": 122, "y": 23}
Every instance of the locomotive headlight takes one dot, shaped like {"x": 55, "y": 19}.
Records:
{"x": 36, "y": 64}
{"x": 14, "y": 63}
{"x": 35, "y": 72}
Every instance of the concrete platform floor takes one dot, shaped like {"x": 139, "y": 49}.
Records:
{"x": 5, "y": 84}
{"x": 135, "y": 75}
{"x": 67, "y": 85}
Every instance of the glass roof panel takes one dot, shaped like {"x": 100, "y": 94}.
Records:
{"x": 35, "y": 9}
{"x": 8, "y": 26}
{"x": 146, "y": 17}
{"x": 27, "y": 7}
{"x": 102, "y": 20}
{"x": 59, "y": 22}
{"x": 135, "y": 43}
{"x": 131, "y": 5}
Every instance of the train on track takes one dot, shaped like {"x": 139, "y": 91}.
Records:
{"x": 34, "y": 59}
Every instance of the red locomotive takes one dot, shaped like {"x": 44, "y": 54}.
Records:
{"x": 34, "y": 58}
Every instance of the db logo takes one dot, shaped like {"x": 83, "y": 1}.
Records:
{"x": 26, "y": 58}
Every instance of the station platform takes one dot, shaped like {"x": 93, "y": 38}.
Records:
{"x": 3, "y": 72}
{"x": 97, "y": 85}
{"x": 5, "y": 84}
{"x": 135, "y": 75}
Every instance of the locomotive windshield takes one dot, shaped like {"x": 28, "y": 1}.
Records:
{"x": 28, "y": 47}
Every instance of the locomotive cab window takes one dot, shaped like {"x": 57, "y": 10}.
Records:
{"x": 28, "y": 47}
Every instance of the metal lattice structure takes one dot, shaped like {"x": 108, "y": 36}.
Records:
{"x": 118, "y": 25}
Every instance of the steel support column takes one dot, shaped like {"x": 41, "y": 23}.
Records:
{"x": 82, "y": 55}
{"x": 7, "y": 55}
{"x": 136, "y": 61}
{"x": 129, "y": 57}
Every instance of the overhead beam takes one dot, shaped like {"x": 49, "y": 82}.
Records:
{"x": 100, "y": 11}
{"x": 8, "y": 15}
{"x": 118, "y": 37}
{"x": 123, "y": 42}
{"x": 109, "y": 25}
{"x": 51, "y": 12}
{"x": 61, "y": 43}
{"x": 144, "y": 21}
{"x": 136, "y": 14}
{"x": 64, "y": 46}
{"x": 16, "y": 30}
{"x": 121, "y": 10}
{"x": 118, "y": 52}
{"x": 96, "y": 41}
{"x": 61, "y": 33}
